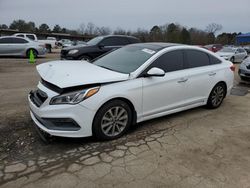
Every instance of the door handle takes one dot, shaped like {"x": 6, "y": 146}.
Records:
{"x": 212, "y": 74}
{"x": 182, "y": 80}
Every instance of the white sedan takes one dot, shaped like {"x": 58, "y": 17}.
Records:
{"x": 233, "y": 54}
{"x": 130, "y": 85}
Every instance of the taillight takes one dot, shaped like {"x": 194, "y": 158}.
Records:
{"x": 232, "y": 68}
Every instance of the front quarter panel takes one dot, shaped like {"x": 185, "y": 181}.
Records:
{"x": 129, "y": 89}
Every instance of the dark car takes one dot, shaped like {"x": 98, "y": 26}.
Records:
{"x": 97, "y": 47}
{"x": 214, "y": 47}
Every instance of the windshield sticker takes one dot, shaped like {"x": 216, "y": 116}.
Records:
{"x": 148, "y": 51}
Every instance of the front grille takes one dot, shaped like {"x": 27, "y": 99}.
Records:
{"x": 38, "y": 97}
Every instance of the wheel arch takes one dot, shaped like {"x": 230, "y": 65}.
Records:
{"x": 221, "y": 82}
{"x": 131, "y": 105}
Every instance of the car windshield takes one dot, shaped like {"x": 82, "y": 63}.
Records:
{"x": 126, "y": 59}
{"x": 227, "y": 50}
{"x": 95, "y": 40}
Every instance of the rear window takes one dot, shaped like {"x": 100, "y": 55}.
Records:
{"x": 196, "y": 58}
{"x": 31, "y": 37}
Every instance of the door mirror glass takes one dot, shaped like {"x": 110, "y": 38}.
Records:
{"x": 156, "y": 72}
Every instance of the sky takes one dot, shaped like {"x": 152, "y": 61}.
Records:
{"x": 234, "y": 16}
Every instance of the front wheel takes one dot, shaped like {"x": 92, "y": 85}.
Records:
{"x": 216, "y": 96}
{"x": 112, "y": 120}
{"x": 85, "y": 58}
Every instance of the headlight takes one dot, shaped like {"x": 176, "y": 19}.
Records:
{"x": 73, "y": 51}
{"x": 74, "y": 97}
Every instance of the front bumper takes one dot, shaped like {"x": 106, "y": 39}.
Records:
{"x": 61, "y": 120}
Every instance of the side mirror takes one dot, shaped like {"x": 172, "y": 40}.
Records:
{"x": 156, "y": 72}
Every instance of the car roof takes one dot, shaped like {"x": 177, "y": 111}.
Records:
{"x": 156, "y": 46}
{"x": 126, "y": 36}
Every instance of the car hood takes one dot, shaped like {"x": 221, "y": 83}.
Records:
{"x": 76, "y": 47}
{"x": 66, "y": 74}
{"x": 224, "y": 53}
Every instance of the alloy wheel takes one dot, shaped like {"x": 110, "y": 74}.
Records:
{"x": 114, "y": 121}
{"x": 217, "y": 96}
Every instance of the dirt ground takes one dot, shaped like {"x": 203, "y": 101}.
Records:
{"x": 195, "y": 148}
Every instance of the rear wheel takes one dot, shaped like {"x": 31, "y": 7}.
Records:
{"x": 112, "y": 120}
{"x": 216, "y": 96}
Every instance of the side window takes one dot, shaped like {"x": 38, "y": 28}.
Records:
{"x": 196, "y": 58}
{"x": 115, "y": 41}
{"x": 31, "y": 37}
{"x": 170, "y": 61}
{"x": 214, "y": 60}
{"x": 20, "y": 36}
{"x": 5, "y": 40}
{"x": 19, "y": 41}
{"x": 133, "y": 40}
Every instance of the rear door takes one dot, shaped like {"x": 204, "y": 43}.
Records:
{"x": 18, "y": 46}
{"x": 203, "y": 72}
{"x": 5, "y": 45}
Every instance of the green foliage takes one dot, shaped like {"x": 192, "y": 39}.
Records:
{"x": 44, "y": 28}
{"x": 23, "y": 26}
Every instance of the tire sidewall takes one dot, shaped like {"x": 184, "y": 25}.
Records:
{"x": 97, "y": 130}
{"x": 209, "y": 102}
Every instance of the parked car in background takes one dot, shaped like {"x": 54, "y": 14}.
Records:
{"x": 18, "y": 46}
{"x": 213, "y": 47}
{"x": 97, "y": 47}
{"x": 129, "y": 85}
{"x": 64, "y": 43}
{"x": 244, "y": 69}
{"x": 79, "y": 42}
{"x": 49, "y": 43}
{"x": 247, "y": 48}
{"x": 233, "y": 54}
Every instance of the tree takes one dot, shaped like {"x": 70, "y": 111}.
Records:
{"x": 57, "y": 29}
{"x": 21, "y": 25}
{"x": 44, "y": 28}
{"x": 156, "y": 34}
{"x": 3, "y": 26}
{"x": 185, "y": 36}
{"x": 104, "y": 30}
{"x": 119, "y": 31}
{"x": 90, "y": 28}
{"x": 82, "y": 28}
{"x": 213, "y": 28}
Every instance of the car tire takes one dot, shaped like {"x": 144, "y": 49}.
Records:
{"x": 85, "y": 58}
{"x": 232, "y": 59}
{"x": 34, "y": 52}
{"x": 112, "y": 120}
{"x": 216, "y": 96}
